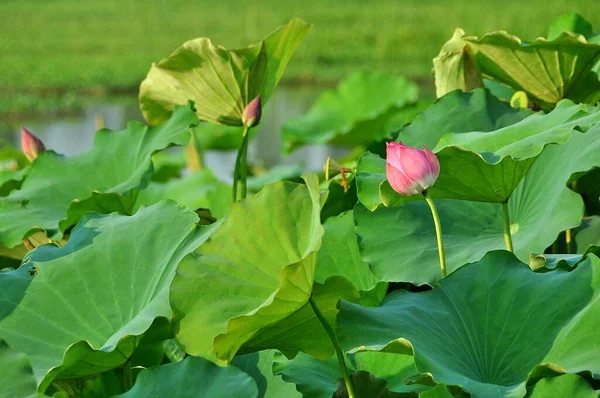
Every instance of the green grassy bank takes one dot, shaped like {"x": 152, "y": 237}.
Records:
{"x": 72, "y": 48}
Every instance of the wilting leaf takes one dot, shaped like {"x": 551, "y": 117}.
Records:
{"x": 82, "y": 308}
{"x": 194, "y": 376}
{"x": 357, "y": 112}
{"x": 486, "y": 326}
{"x": 221, "y": 82}
{"x": 61, "y": 189}
{"x": 256, "y": 269}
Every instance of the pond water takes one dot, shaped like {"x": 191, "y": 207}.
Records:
{"x": 74, "y": 134}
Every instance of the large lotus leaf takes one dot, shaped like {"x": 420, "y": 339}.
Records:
{"x": 486, "y": 326}
{"x": 357, "y": 112}
{"x": 259, "y": 365}
{"x": 221, "y": 82}
{"x": 302, "y": 330}
{"x": 257, "y": 269}
{"x": 487, "y": 166}
{"x": 82, "y": 308}
{"x": 399, "y": 242}
{"x": 316, "y": 378}
{"x": 588, "y": 234}
{"x": 453, "y": 67}
{"x": 104, "y": 179}
{"x": 339, "y": 254}
{"x": 568, "y": 385}
{"x": 547, "y": 71}
{"x": 198, "y": 190}
{"x": 16, "y": 374}
{"x": 457, "y": 112}
{"x": 192, "y": 377}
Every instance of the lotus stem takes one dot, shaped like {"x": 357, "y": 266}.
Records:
{"x": 507, "y": 236}
{"x": 127, "y": 375}
{"x": 336, "y": 346}
{"x": 438, "y": 233}
{"x": 569, "y": 240}
{"x": 241, "y": 168}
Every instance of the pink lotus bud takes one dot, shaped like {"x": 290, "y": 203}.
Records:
{"x": 410, "y": 171}
{"x": 31, "y": 145}
{"x": 252, "y": 113}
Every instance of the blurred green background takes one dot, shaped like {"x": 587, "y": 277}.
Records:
{"x": 55, "y": 54}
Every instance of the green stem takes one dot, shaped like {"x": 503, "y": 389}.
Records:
{"x": 241, "y": 167}
{"x": 438, "y": 232}
{"x": 127, "y": 376}
{"x": 507, "y": 237}
{"x": 569, "y": 241}
{"x": 336, "y": 346}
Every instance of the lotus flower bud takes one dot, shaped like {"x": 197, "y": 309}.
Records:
{"x": 252, "y": 113}
{"x": 31, "y": 145}
{"x": 410, "y": 171}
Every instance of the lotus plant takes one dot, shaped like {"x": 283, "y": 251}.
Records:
{"x": 411, "y": 171}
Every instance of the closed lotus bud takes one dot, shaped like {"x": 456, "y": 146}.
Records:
{"x": 252, "y": 113}
{"x": 410, "y": 171}
{"x": 31, "y": 145}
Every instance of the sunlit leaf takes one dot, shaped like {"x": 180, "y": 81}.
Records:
{"x": 221, "y": 82}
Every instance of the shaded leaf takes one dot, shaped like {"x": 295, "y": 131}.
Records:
{"x": 259, "y": 365}
{"x": 487, "y": 325}
{"x": 192, "y": 377}
{"x": 16, "y": 374}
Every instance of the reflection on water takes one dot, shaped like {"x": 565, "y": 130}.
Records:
{"x": 71, "y": 135}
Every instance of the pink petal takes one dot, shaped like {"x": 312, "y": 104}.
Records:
{"x": 414, "y": 163}
{"x": 434, "y": 163}
{"x": 400, "y": 183}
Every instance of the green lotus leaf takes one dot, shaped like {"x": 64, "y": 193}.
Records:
{"x": 16, "y": 374}
{"x": 373, "y": 373}
{"x": 486, "y": 326}
{"x": 221, "y": 82}
{"x": 59, "y": 189}
{"x": 588, "y": 234}
{"x": 357, "y": 112}
{"x": 192, "y": 377}
{"x": 257, "y": 269}
{"x": 547, "y": 71}
{"x": 301, "y": 330}
{"x": 82, "y": 308}
{"x": 339, "y": 255}
{"x": 198, "y": 190}
{"x": 282, "y": 172}
{"x": 484, "y": 166}
{"x": 259, "y": 365}
{"x": 399, "y": 242}
{"x": 568, "y": 385}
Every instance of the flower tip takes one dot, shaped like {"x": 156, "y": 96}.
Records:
{"x": 32, "y": 146}
{"x": 252, "y": 113}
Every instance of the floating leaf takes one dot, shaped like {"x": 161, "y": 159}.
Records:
{"x": 257, "y": 269}
{"x": 399, "y": 243}
{"x": 82, "y": 308}
{"x": 61, "y": 189}
{"x": 192, "y": 377}
{"x": 221, "y": 82}
{"x": 487, "y": 325}
{"x": 357, "y": 112}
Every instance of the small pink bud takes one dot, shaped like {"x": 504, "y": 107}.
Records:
{"x": 410, "y": 171}
{"x": 252, "y": 113}
{"x": 31, "y": 145}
